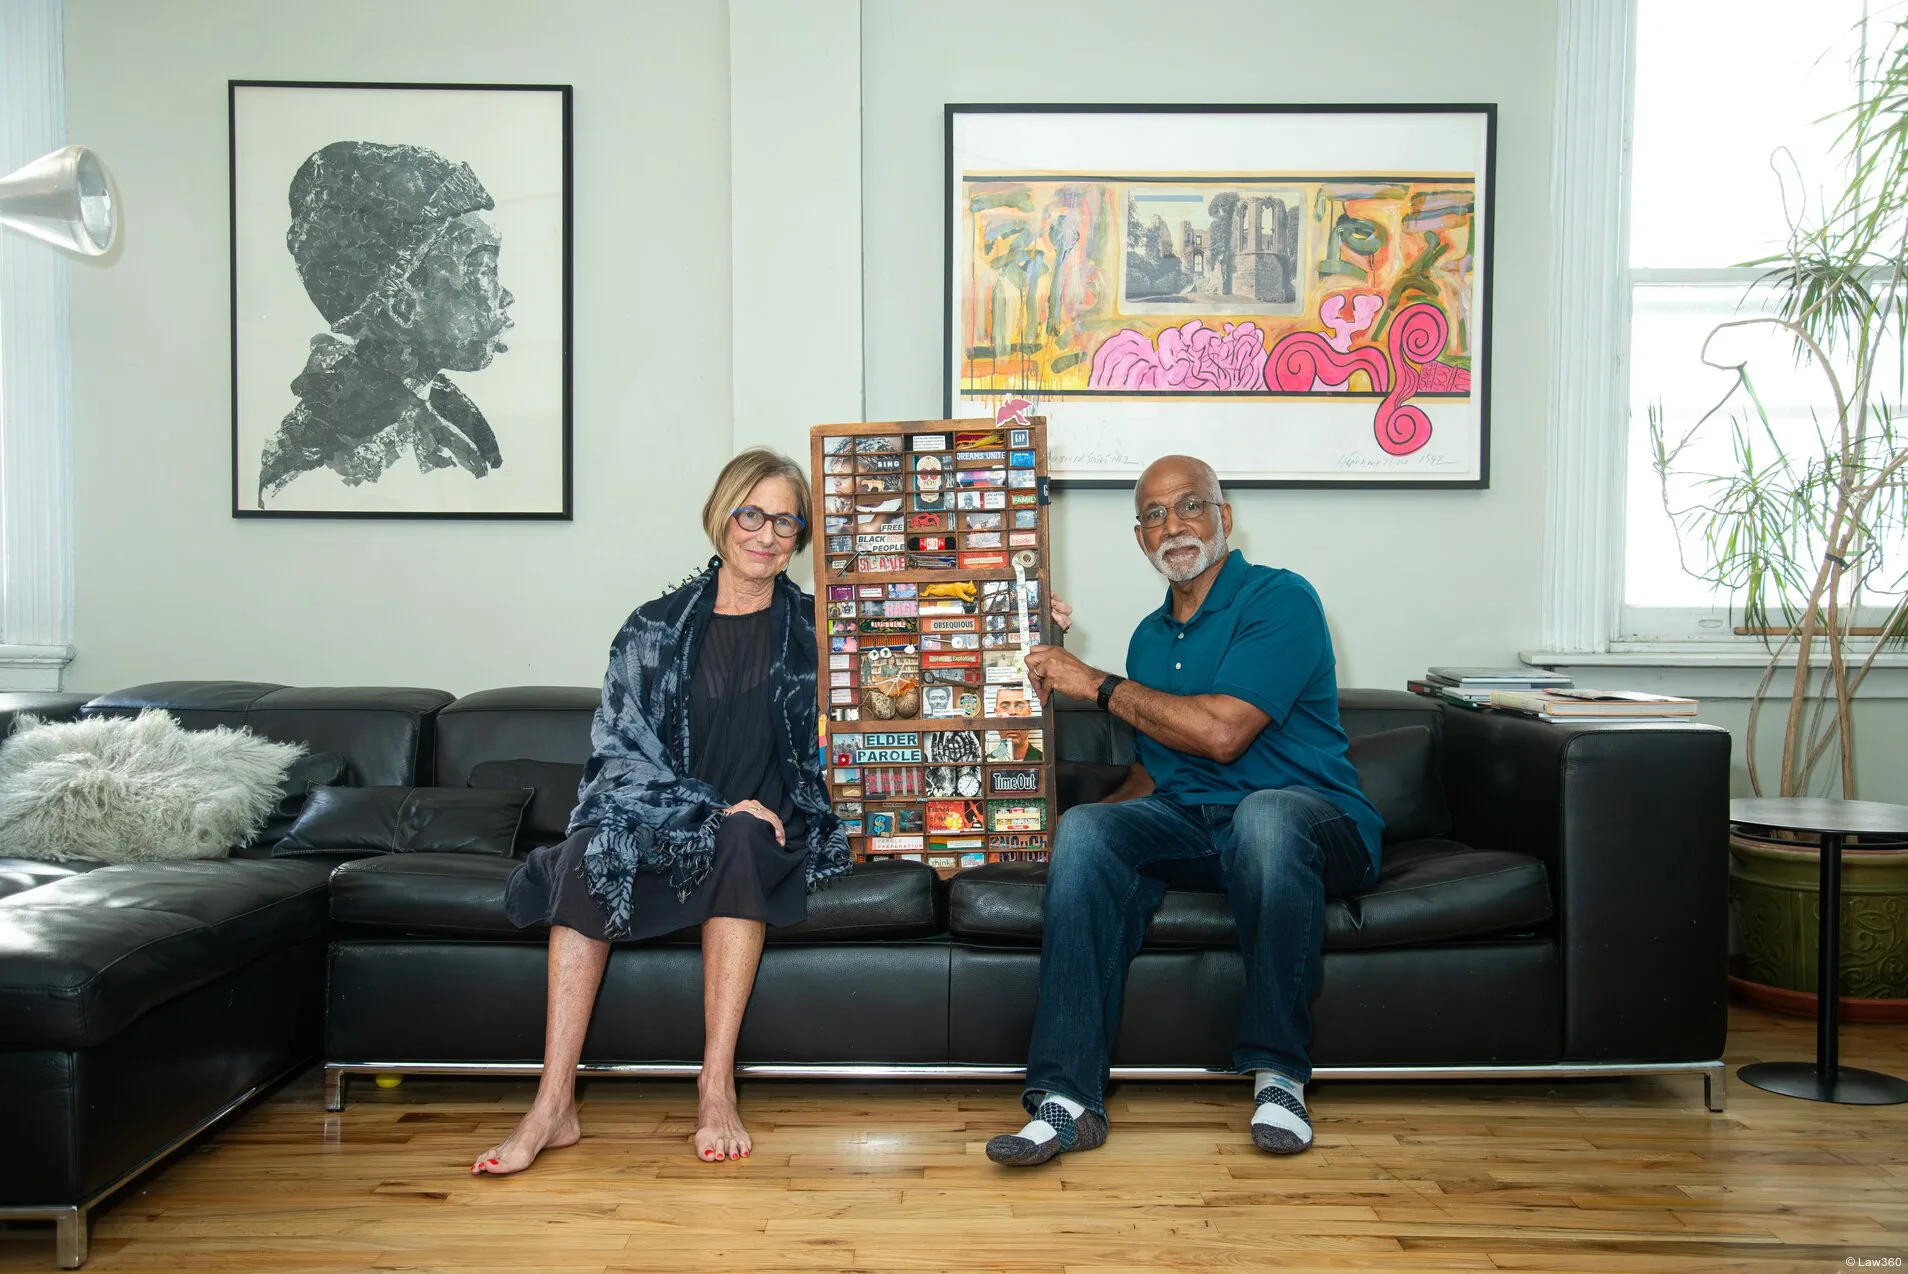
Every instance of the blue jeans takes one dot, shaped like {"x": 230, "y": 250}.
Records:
{"x": 1278, "y": 855}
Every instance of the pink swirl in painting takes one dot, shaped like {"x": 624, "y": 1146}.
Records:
{"x": 1416, "y": 338}
{"x": 1304, "y": 360}
{"x": 1189, "y": 357}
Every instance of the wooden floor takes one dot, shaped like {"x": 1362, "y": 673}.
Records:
{"x": 1579, "y": 1175}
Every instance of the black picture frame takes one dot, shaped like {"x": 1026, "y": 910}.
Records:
{"x": 1054, "y": 402}
{"x": 385, "y": 209}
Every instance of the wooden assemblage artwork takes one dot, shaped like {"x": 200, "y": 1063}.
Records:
{"x": 931, "y": 581}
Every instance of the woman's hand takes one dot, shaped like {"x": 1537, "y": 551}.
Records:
{"x": 756, "y": 809}
{"x": 1062, "y": 613}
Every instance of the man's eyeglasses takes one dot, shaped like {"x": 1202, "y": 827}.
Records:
{"x": 1190, "y": 508}
{"x": 750, "y": 518}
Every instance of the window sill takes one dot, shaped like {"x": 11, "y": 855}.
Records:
{"x": 1709, "y": 670}
{"x": 33, "y": 667}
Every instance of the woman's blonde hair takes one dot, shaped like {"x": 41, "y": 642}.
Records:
{"x": 739, "y": 477}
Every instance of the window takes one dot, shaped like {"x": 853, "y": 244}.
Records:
{"x": 1734, "y": 129}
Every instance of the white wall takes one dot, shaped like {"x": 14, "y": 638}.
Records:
{"x": 795, "y": 187}
{"x": 1406, "y": 576}
{"x": 169, "y": 584}
{"x": 725, "y": 152}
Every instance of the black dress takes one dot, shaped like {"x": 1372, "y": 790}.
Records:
{"x": 734, "y": 747}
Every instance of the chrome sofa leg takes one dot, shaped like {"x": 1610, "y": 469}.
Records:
{"x": 70, "y": 1237}
{"x": 1713, "y": 1081}
{"x": 334, "y": 1089}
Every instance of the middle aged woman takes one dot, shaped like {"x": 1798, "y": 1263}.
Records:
{"x": 703, "y": 803}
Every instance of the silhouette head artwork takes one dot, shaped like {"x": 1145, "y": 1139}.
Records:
{"x": 394, "y": 250}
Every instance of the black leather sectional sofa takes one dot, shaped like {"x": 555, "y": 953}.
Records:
{"x": 1553, "y": 903}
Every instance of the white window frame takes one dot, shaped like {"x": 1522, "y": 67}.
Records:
{"x": 1585, "y": 622}
{"x": 1649, "y": 627}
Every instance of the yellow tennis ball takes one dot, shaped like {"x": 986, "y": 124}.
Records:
{"x": 390, "y": 1081}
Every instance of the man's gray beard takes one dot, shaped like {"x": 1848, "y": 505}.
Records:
{"x": 1210, "y": 551}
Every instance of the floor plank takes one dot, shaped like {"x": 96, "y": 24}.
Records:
{"x": 1548, "y": 1175}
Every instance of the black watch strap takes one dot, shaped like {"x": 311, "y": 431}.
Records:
{"x": 1113, "y": 682}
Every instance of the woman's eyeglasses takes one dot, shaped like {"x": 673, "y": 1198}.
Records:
{"x": 750, "y": 518}
{"x": 1189, "y": 508}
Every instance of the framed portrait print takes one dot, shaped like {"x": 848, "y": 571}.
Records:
{"x": 1301, "y": 295}
{"x": 401, "y": 300}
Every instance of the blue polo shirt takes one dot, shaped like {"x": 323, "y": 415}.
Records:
{"x": 1259, "y": 636}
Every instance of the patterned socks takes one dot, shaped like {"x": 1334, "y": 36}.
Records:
{"x": 1059, "y": 1124}
{"x": 1280, "y": 1124}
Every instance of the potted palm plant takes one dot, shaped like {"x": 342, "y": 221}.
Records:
{"x": 1804, "y": 530}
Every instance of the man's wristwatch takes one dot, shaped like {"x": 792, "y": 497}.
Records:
{"x": 1107, "y": 687}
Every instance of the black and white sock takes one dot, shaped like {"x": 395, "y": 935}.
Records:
{"x": 1048, "y": 1123}
{"x": 1280, "y": 1122}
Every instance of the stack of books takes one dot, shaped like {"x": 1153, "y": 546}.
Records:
{"x": 1594, "y": 705}
{"x": 1473, "y": 687}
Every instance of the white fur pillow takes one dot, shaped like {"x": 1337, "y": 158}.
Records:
{"x": 127, "y": 790}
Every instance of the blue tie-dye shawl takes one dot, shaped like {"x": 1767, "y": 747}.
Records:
{"x": 649, "y": 815}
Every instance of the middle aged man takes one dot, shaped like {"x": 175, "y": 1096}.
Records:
{"x": 1242, "y": 781}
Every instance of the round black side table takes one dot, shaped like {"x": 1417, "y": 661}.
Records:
{"x": 1831, "y": 821}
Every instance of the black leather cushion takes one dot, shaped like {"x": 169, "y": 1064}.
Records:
{"x": 17, "y": 875}
{"x": 1398, "y": 772}
{"x": 1428, "y": 891}
{"x": 78, "y": 1122}
{"x": 1369, "y": 711}
{"x": 547, "y": 819}
{"x": 447, "y": 895}
{"x": 1395, "y": 740}
{"x": 1084, "y": 782}
{"x": 384, "y": 733}
{"x": 408, "y": 820}
{"x": 45, "y": 704}
{"x": 82, "y": 957}
{"x": 196, "y": 705}
{"x": 314, "y": 769}
{"x": 894, "y": 899}
{"x": 1083, "y": 732}
{"x": 543, "y": 723}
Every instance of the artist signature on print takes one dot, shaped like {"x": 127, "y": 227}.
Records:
{"x": 1084, "y": 459}
{"x": 1421, "y": 460}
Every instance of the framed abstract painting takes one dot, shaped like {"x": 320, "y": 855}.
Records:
{"x": 1299, "y": 294}
{"x": 401, "y": 300}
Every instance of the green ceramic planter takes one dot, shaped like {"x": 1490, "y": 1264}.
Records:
{"x": 1774, "y": 887}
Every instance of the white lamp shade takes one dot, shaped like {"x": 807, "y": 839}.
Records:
{"x": 63, "y": 198}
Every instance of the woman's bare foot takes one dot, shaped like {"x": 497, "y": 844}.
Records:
{"x": 719, "y": 1131}
{"x": 535, "y": 1133}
